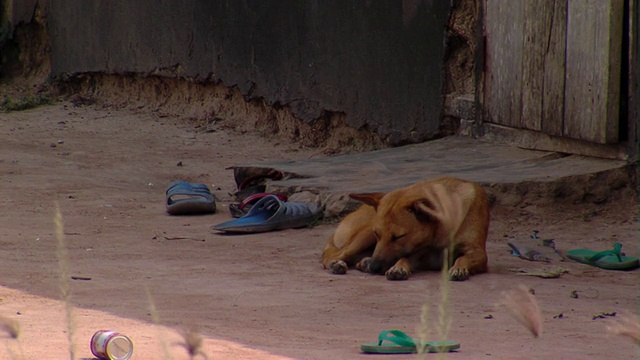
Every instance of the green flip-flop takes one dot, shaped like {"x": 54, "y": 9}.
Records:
{"x": 397, "y": 342}
{"x": 608, "y": 259}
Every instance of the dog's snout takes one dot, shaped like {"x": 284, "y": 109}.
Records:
{"x": 376, "y": 266}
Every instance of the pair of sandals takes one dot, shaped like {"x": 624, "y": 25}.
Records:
{"x": 257, "y": 211}
{"x": 186, "y": 198}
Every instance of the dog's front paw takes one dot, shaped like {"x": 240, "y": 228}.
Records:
{"x": 338, "y": 267}
{"x": 397, "y": 273}
{"x": 364, "y": 265}
{"x": 458, "y": 274}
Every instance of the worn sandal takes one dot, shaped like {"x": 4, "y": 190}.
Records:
{"x": 241, "y": 209}
{"x": 270, "y": 213}
{"x": 185, "y": 198}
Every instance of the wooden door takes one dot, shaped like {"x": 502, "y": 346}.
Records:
{"x": 553, "y": 66}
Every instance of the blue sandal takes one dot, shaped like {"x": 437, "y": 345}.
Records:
{"x": 185, "y": 198}
{"x": 270, "y": 213}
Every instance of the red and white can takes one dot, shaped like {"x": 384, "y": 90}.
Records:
{"x": 111, "y": 345}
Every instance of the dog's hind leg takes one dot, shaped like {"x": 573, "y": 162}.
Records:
{"x": 352, "y": 241}
{"x": 339, "y": 259}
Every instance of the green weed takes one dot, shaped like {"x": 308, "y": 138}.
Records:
{"x": 9, "y": 104}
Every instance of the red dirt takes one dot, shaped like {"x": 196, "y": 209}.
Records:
{"x": 260, "y": 296}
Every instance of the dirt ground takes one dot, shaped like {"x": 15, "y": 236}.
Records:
{"x": 262, "y": 296}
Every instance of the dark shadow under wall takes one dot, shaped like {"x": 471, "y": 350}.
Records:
{"x": 25, "y": 47}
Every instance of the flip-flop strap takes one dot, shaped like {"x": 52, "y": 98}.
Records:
{"x": 190, "y": 192}
{"x": 617, "y": 247}
{"x": 269, "y": 203}
{"x": 397, "y": 337}
{"x": 255, "y": 197}
{"x": 180, "y": 187}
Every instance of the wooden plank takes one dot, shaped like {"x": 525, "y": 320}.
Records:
{"x": 535, "y": 29}
{"x": 552, "y": 121}
{"x": 504, "y": 27}
{"x": 592, "y": 80}
{"x": 633, "y": 83}
{"x": 536, "y": 140}
{"x": 538, "y": 26}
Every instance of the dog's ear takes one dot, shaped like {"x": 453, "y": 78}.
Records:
{"x": 444, "y": 207}
{"x": 372, "y": 199}
{"x": 424, "y": 210}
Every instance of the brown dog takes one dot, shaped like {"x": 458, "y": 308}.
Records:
{"x": 408, "y": 229}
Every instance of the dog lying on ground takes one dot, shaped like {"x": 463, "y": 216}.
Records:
{"x": 408, "y": 229}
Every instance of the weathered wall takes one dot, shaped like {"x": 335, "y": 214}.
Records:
{"x": 24, "y": 50}
{"x": 15, "y": 12}
{"x": 379, "y": 62}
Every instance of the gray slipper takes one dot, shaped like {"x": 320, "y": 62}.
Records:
{"x": 270, "y": 214}
{"x": 185, "y": 198}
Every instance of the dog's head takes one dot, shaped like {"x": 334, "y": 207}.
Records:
{"x": 410, "y": 220}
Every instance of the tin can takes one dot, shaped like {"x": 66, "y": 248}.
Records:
{"x": 111, "y": 345}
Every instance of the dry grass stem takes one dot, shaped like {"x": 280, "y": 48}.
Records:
{"x": 423, "y": 328}
{"x": 155, "y": 316}
{"x": 193, "y": 344}
{"x": 524, "y": 308}
{"x": 444, "y": 313}
{"x": 63, "y": 265}
{"x": 626, "y": 325}
{"x": 12, "y": 327}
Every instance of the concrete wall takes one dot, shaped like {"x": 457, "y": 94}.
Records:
{"x": 380, "y": 62}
